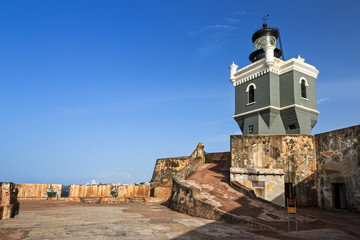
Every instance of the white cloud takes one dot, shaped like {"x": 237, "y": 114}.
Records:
{"x": 208, "y": 49}
{"x": 242, "y": 12}
{"x": 220, "y": 26}
{"x": 232, "y": 20}
{"x": 324, "y": 99}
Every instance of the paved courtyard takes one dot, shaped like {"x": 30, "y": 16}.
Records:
{"x": 65, "y": 220}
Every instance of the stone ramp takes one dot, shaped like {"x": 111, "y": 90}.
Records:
{"x": 213, "y": 181}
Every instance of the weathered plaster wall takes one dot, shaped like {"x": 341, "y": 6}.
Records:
{"x": 36, "y": 190}
{"x": 133, "y": 191}
{"x": 76, "y": 191}
{"x": 9, "y": 206}
{"x": 166, "y": 168}
{"x": 264, "y": 163}
{"x": 338, "y": 161}
{"x": 298, "y": 153}
{"x": 217, "y": 157}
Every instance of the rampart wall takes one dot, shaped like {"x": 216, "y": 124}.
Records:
{"x": 217, "y": 157}
{"x": 320, "y": 170}
{"x": 9, "y": 206}
{"x": 264, "y": 163}
{"x": 36, "y": 191}
{"x": 77, "y": 191}
{"x": 187, "y": 199}
{"x": 338, "y": 163}
{"x": 166, "y": 168}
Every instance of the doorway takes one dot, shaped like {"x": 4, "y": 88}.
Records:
{"x": 289, "y": 191}
{"x": 339, "y": 195}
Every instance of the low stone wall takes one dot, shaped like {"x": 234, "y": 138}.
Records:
{"x": 107, "y": 192}
{"x": 244, "y": 190}
{"x": 77, "y": 191}
{"x": 152, "y": 191}
{"x": 187, "y": 199}
{"x": 217, "y": 157}
{"x": 36, "y": 191}
{"x": 166, "y": 168}
{"x": 338, "y": 166}
{"x": 133, "y": 191}
{"x": 9, "y": 206}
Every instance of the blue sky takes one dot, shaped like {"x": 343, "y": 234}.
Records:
{"x": 101, "y": 89}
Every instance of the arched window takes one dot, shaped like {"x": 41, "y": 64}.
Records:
{"x": 250, "y": 89}
{"x": 304, "y": 84}
{"x": 251, "y": 94}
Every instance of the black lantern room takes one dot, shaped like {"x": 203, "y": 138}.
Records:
{"x": 262, "y": 38}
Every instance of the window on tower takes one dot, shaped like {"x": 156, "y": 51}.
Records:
{"x": 304, "y": 85}
{"x": 251, "y": 92}
{"x": 251, "y": 129}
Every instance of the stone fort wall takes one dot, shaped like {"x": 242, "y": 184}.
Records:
{"x": 9, "y": 206}
{"x": 317, "y": 170}
{"x": 338, "y": 162}
{"x": 264, "y": 163}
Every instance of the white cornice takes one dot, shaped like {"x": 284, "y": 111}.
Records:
{"x": 277, "y": 108}
{"x": 279, "y": 67}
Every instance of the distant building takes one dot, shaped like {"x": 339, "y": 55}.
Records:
{"x": 273, "y": 96}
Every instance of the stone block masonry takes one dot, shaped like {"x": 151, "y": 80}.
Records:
{"x": 9, "y": 206}
{"x": 166, "y": 168}
{"x": 266, "y": 163}
{"x": 338, "y": 167}
{"x": 36, "y": 191}
{"x": 320, "y": 170}
{"x": 76, "y": 191}
{"x": 217, "y": 157}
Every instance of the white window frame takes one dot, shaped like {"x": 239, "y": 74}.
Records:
{"x": 247, "y": 90}
{"x": 306, "y": 85}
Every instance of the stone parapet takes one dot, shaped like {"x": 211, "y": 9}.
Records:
{"x": 90, "y": 190}
{"x": 217, "y": 157}
{"x": 9, "y": 205}
{"x": 36, "y": 191}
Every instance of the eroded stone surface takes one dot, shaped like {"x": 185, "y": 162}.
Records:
{"x": 338, "y": 162}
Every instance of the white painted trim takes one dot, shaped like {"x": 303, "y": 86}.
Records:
{"x": 304, "y": 99}
{"x": 306, "y": 82}
{"x": 253, "y": 111}
{"x": 277, "y": 108}
{"x": 301, "y": 107}
{"x": 248, "y": 86}
{"x": 279, "y": 67}
{"x": 250, "y": 103}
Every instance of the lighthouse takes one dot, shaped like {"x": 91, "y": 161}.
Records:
{"x": 274, "y": 96}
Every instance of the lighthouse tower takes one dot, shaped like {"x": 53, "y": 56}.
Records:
{"x": 273, "y": 96}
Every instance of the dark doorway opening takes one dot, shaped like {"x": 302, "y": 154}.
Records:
{"x": 339, "y": 195}
{"x": 289, "y": 191}
{"x": 65, "y": 191}
{"x": 152, "y": 192}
